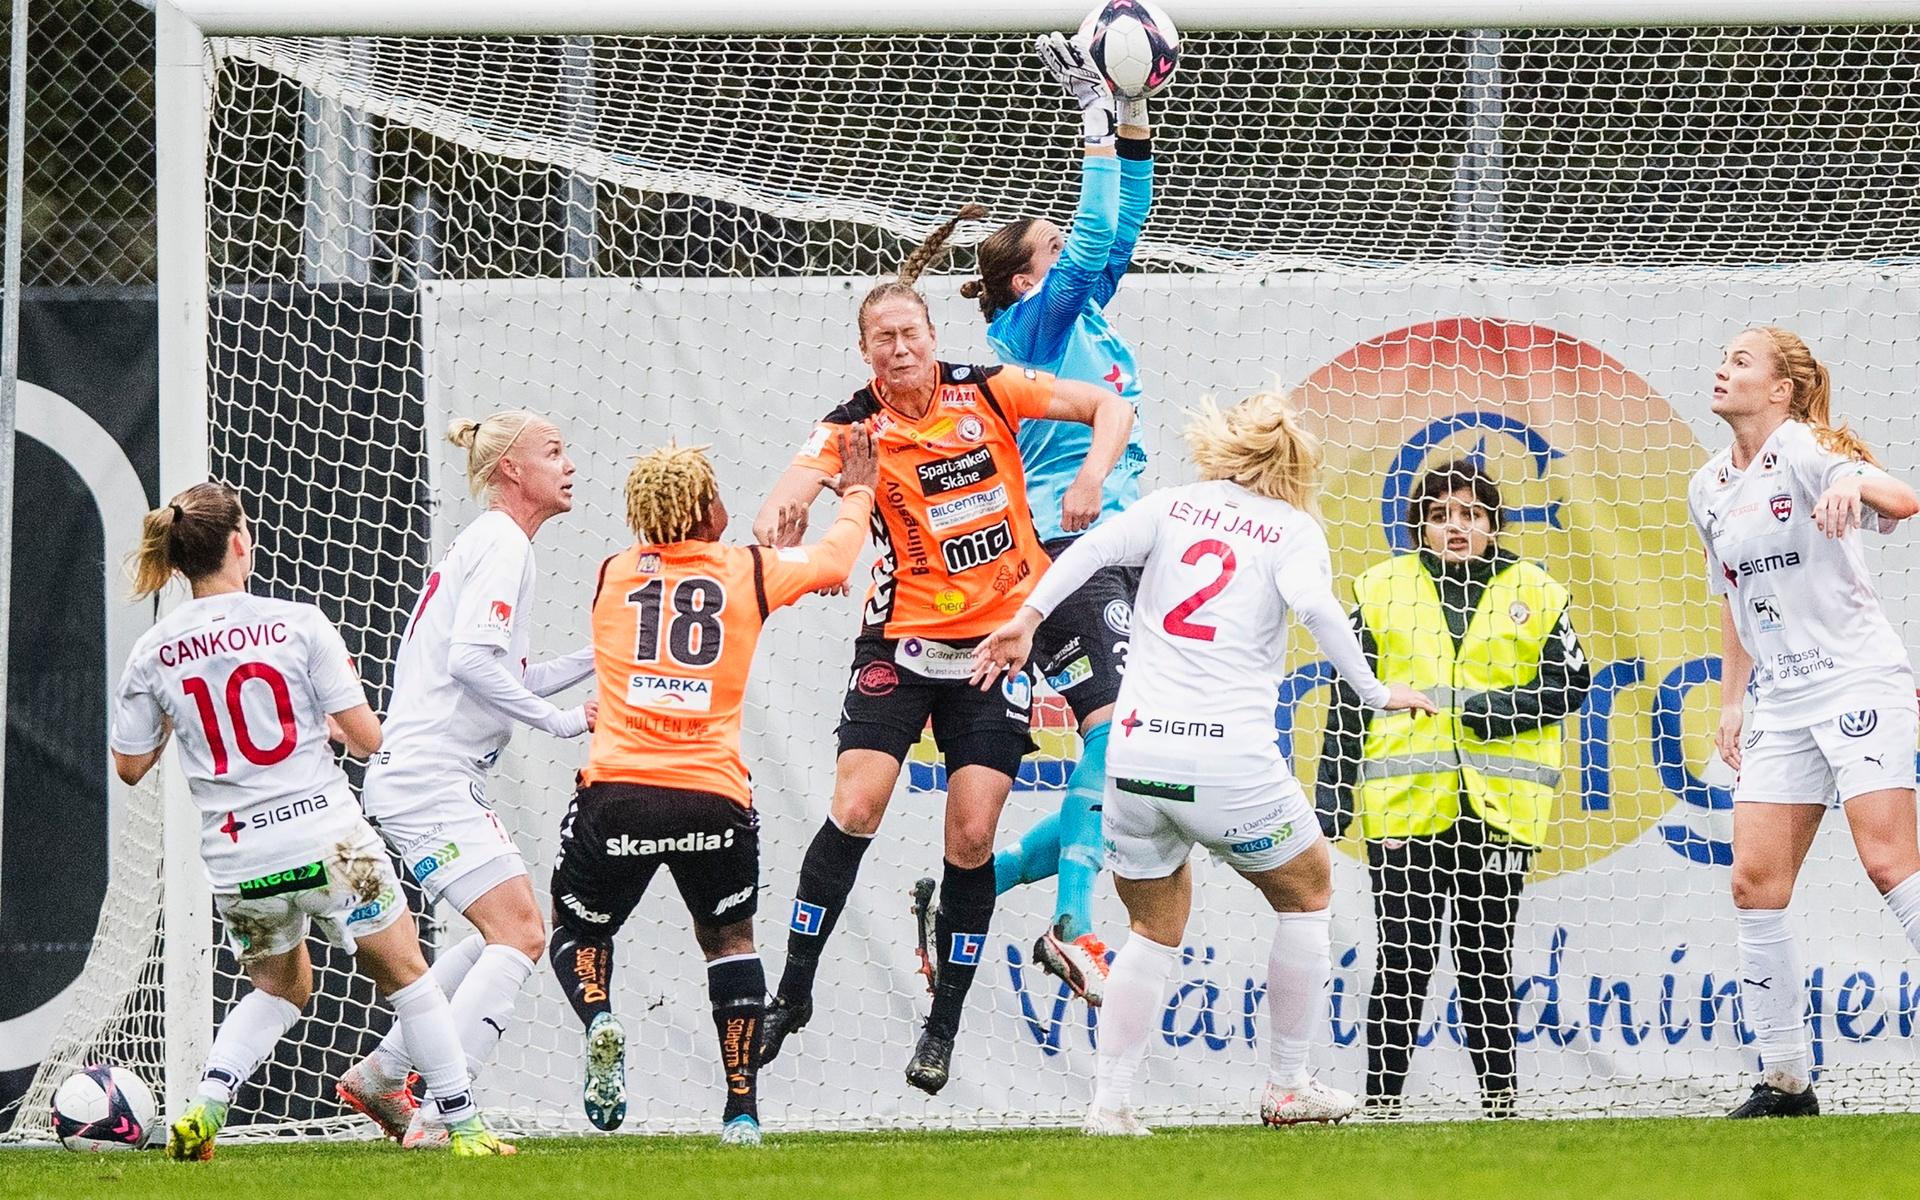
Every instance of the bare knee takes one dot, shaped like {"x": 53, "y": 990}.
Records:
{"x": 290, "y": 982}
{"x": 724, "y": 941}
{"x": 970, "y": 843}
{"x": 1889, "y": 871}
{"x": 1754, "y": 889}
{"x": 862, "y": 786}
{"x": 522, "y": 930}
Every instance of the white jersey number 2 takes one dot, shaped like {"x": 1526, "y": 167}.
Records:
{"x": 1176, "y": 622}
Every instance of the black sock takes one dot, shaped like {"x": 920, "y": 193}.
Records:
{"x": 584, "y": 966}
{"x": 826, "y": 876}
{"x": 960, "y": 936}
{"x": 738, "y": 989}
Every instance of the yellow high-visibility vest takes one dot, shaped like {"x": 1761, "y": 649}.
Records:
{"x": 1415, "y": 767}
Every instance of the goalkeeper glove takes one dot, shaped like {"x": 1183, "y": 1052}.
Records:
{"x": 1073, "y": 67}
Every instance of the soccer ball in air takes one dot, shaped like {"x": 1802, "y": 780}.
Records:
{"x": 1134, "y": 44}
{"x": 102, "y": 1108}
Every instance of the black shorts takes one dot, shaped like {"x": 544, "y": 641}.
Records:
{"x": 1081, "y": 648}
{"x": 616, "y": 835}
{"x": 888, "y": 704}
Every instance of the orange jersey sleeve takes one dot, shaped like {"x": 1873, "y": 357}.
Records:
{"x": 822, "y": 449}
{"x": 790, "y": 574}
{"x": 1026, "y": 394}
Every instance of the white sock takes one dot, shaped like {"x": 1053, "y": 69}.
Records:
{"x": 1299, "y": 969}
{"x": 250, "y": 1032}
{"x": 484, "y": 1004}
{"x": 390, "y": 1060}
{"x": 1770, "y": 996}
{"x": 1136, "y": 986}
{"x": 425, "y": 1020}
{"x": 1904, "y": 900}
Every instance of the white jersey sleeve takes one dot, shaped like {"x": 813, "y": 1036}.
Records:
{"x": 336, "y": 684}
{"x": 139, "y": 724}
{"x": 1697, "y": 510}
{"x": 1818, "y": 468}
{"x": 1303, "y": 574}
{"x": 1124, "y": 541}
{"x": 486, "y": 607}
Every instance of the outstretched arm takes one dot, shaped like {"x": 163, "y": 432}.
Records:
{"x": 1136, "y": 200}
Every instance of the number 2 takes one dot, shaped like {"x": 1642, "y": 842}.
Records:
{"x": 1176, "y": 622}
{"x": 197, "y": 689}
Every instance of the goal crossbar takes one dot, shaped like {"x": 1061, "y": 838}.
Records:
{"x": 447, "y": 17}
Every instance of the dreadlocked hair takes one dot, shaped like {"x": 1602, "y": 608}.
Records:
{"x": 669, "y": 491}
{"x": 929, "y": 251}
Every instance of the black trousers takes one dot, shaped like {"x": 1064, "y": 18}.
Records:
{"x": 1469, "y": 879}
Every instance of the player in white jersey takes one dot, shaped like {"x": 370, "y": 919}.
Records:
{"x": 1195, "y": 760}
{"x": 461, "y": 684}
{"x": 248, "y": 688}
{"x": 1833, "y": 714}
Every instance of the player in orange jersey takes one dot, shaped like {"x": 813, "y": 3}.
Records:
{"x": 958, "y": 554}
{"x": 676, "y": 617}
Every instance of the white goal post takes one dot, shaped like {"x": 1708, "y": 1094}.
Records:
{"x": 1518, "y": 230}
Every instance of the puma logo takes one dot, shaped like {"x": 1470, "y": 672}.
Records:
{"x": 497, "y": 1026}
{"x": 1875, "y": 761}
{"x": 1765, "y": 985}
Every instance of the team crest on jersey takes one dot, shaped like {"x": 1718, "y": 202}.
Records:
{"x": 500, "y": 616}
{"x": 1519, "y": 611}
{"x": 1781, "y": 507}
{"x": 971, "y": 429}
{"x": 1018, "y": 690}
{"x": 1768, "y": 613}
{"x": 1860, "y": 724}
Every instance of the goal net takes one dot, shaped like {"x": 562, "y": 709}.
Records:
{"x": 1526, "y": 246}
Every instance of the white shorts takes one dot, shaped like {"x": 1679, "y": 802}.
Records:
{"x": 453, "y": 845}
{"x": 350, "y": 893}
{"x": 1151, "y": 828}
{"x": 1859, "y": 752}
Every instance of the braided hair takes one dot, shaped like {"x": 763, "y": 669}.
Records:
{"x": 929, "y": 251}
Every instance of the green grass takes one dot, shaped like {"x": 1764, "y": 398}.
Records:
{"x": 1851, "y": 1157}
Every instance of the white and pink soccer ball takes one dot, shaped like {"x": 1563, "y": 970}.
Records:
{"x": 102, "y": 1108}
{"x": 1135, "y": 45}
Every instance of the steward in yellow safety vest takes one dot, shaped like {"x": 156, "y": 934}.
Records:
{"x": 1452, "y": 805}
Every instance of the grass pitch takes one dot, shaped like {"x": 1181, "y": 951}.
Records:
{"x": 1852, "y": 1157}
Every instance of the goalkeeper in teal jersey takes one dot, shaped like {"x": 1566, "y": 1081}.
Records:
{"x": 1044, "y": 297}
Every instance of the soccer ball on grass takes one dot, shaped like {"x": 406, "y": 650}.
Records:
{"x": 102, "y": 1108}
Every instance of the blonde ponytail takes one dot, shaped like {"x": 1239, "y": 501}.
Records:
{"x": 1258, "y": 444}
{"x": 1812, "y": 401}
